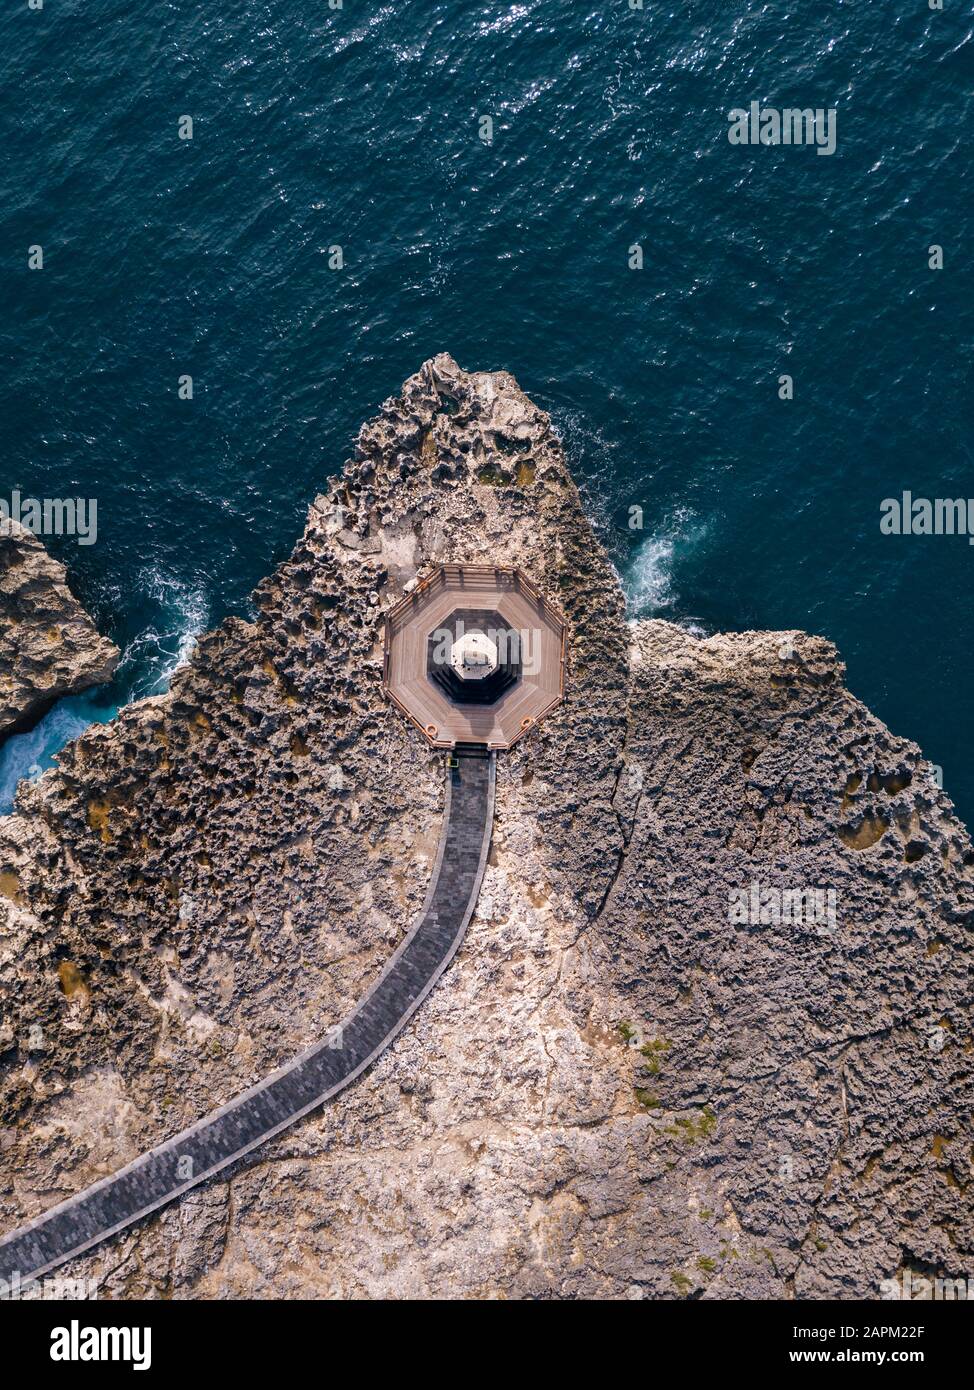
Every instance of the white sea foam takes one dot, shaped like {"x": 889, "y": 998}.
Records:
{"x": 151, "y": 659}
{"x": 147, "y": 667}
{"x": 650, "y": 581}
{"x": 30, "y": 754}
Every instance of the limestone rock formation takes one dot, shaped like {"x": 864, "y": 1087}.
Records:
{"x": 48, "y": 645}
{"x": 624, "y": 1086}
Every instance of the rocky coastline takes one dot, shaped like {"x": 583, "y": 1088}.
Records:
{"x": 49, "y": 647}
{"x": 619, "y": 1089}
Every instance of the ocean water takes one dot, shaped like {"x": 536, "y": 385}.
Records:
{"x": 360, "y": 127}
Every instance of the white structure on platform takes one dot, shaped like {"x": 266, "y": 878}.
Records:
{"x": 474, "y": 656}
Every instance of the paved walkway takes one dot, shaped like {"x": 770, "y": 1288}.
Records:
{"x": 311, "y": 1078}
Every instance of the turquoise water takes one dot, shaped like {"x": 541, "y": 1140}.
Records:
{"x": 164, "y": 619}
{"x": 359, "y": 127}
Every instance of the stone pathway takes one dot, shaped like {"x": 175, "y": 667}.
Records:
{"x": 162, "y": 1174}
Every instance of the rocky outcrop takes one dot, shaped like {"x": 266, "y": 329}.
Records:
{"x": 640, "y": 1077}
{"x": 48, "y": 645}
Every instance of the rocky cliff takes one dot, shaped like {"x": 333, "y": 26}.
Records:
{"x": 627, "y": 1084}
{"x": 48, "y": 645}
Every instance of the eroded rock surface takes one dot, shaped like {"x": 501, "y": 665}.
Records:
{"x": 49, "y": 646}
{"x": 619, "y": 1089}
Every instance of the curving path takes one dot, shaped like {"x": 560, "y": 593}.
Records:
{"x": 319, "y": 1073}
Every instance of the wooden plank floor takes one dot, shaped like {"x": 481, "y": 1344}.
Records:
{"x": 408, "y": 629}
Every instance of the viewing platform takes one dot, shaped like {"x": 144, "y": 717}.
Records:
{"x": 474, "y": 655}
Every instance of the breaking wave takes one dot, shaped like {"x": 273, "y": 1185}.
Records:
{"x": 650, "y": 581}
{"x": 179, "y": 614}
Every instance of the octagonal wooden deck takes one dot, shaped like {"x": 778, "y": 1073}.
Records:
{"x": 412, "y": 620}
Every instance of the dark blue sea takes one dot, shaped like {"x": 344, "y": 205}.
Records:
{"x": 360, "y": 127}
